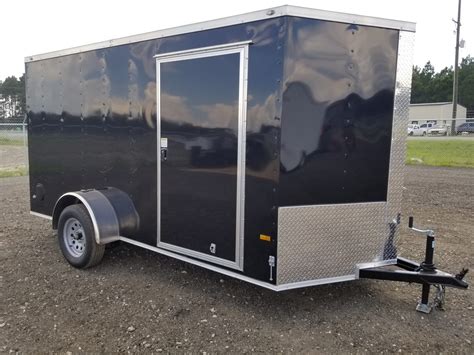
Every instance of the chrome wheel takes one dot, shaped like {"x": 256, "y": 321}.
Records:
{"x": 74, "y": 237}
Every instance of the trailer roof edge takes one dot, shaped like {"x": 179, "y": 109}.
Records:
{"x": 285, "y": 10}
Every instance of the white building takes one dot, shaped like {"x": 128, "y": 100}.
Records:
{"x": 436, "y": 112}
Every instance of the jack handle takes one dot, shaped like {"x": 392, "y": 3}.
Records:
{"x": 428, "y": 232}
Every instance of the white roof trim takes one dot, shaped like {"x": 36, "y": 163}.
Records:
{"x": 285, "y": 10}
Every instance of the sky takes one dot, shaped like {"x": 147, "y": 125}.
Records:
{"x": 31, "y": 27}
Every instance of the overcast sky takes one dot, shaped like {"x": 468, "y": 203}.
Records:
{"x": 32, "y": 27}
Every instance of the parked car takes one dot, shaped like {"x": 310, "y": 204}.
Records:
{"x": 467, "y": 127}
{"x": 419, "y": 130}
{"x": 440, "y": 130}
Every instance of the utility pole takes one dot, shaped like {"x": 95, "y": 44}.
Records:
{"x": 455, "y": 74}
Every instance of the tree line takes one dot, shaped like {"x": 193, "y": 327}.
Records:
{"x": 431, "y": 86}
{"x": 12, "y": 97}
{"x": 427, "y": 86}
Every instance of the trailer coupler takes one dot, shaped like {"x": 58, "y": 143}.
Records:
{"x": 424, "y": 273}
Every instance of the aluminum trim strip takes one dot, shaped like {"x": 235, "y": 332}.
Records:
{"x": 406, "y": 44}
{"x": 242, "y": 151}
{"x": 298, "y": 11}
{"x": 381, "y": 203}
{"x": 196, "y": 54}
{"x": 36, "y": 214}
{"x": 279, "y": 11}
{"x": 158, "y": 153}
{"x": 209, "y": 49}
{"x": 236, "y": 275}
{"x": 199, "y": 263}
{"x": 308, "y": 283}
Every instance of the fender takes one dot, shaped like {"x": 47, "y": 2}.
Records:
{"x": 111, "y": 210}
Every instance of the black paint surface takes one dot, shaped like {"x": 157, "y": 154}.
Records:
{"x": 337, "y": 113}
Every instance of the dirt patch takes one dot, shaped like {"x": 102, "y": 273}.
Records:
{"x": 137, "y": 300}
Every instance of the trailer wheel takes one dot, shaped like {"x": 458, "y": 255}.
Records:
{"x": 76, "y": 237}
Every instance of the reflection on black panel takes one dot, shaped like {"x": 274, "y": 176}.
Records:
{"x": 199, "y": 117}
{"x": 337, "y": 113}
{"x": 92, "y": 123}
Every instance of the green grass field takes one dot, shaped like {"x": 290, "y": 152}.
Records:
{"x": 449, "y": 152}
{"x": 13, "y": 171}
{"x": 9, "y": 141}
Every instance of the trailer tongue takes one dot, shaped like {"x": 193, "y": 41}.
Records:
{"x": 424, "y": 273}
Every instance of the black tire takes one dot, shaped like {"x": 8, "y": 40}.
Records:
{"x": 91, "y": 253}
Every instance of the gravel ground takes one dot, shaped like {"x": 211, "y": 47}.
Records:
{"x": 137, "y": 300}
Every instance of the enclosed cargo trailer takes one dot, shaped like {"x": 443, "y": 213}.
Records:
{"x": 267, "y": 146}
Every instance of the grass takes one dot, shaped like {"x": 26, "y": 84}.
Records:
{"x": 451, "y": 153}
{"x": 9, "y": 141}
{"x": 13, "y": 171}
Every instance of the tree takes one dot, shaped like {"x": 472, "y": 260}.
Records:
{"x": 12, "y": 92}
{"x": 430, "y": 86}
{"x": 466, "y": 83}
{"x": 22, "y": 94}
{"x": 10, "y": 87}
{"x": 2, "y": 111}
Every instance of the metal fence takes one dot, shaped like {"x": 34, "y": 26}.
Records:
{"x": 13, "y": 130}
{"x": 13, "y": 146}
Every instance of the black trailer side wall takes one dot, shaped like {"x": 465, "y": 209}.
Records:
{"x": 92, "y": 121}
{"x": 337, "y": 112}
{"x": 92, "y": 124}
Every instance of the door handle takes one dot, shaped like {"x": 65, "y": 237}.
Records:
{"x": 164, "y": 149}
{"x": 164, "y": 154}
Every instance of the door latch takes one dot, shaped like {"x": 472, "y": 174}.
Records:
{"x": 164, "y": 154}
{"x": 164, "y": 149}
{"x": 271, "y": 263}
